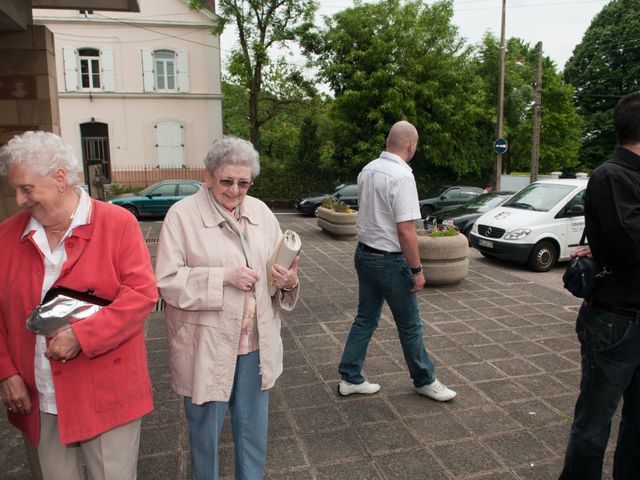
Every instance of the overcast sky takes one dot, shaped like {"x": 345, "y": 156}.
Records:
{"x": 558, "y": 24}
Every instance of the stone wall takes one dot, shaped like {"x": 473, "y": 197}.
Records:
{"x": 28, "y": 91}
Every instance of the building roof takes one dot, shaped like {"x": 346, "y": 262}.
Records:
{"x": 15, "y": 15}
{"x": 112, "y": 5}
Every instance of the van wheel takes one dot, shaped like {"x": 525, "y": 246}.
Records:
{"x": 543, "y": 256}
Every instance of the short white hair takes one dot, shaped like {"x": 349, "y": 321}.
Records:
{"x": 42, "y": 152}
{"x": 230, "y": 150}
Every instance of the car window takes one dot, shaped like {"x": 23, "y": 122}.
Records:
{"x": 539, "y": 196}
{"x": 436, "y": 192}
{"x": 484, "y": 203}
{"x": 166, "y": 190}
{"x": 188, "y": 189}
{"x": 454, "y": 194}
{"x": 466, "y": 195}
{"x": 349, "y": 191}
{"x": 578, "y": 199}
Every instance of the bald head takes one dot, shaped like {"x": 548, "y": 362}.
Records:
{"x": 402, "y": 140}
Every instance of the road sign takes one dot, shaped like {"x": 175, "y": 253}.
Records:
{"x": 500, "y": 146}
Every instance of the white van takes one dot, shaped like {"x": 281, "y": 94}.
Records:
{"x": 539, "y": 225}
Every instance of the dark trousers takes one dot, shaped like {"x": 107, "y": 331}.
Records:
{"x": 610, "y": 349}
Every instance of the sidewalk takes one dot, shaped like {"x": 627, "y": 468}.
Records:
{"x": 503, "y": 339}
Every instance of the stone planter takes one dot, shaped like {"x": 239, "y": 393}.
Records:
{"x": 445, "y": 259}
{"x": 337, "y": 223}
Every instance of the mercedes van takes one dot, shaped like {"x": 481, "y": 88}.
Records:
{"x": 539, "y": 225}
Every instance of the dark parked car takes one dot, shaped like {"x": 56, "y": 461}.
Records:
{"x": 347, "y": 192}
{"x": 156, "y": 199}
{"x": 464, "y": 216}
{"x": 446, "y": 197}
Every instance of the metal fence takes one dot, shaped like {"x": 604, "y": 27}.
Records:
{"x": 130, "y": 177}
{"x": 275, "y": 186}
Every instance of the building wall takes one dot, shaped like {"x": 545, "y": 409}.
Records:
{"x": 28, "y": 93}
{"x": 130, "y": 110}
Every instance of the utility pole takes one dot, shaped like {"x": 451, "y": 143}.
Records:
{"x": 535, "y": 144}
{"x": 501, "y": 96}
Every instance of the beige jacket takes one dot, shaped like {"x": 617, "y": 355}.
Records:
{"x": 203, "y": 317}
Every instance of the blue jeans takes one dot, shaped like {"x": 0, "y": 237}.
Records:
{"x": 380, "y": 278}
{"x": 249, "y": 422}
{"x": 610, "y": 348}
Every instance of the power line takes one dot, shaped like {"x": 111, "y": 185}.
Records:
{"x": 157, "y": 32}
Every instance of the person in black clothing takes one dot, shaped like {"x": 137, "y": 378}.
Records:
{"x": 608, "y": 325}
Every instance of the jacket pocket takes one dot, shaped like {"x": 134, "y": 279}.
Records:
{"x": 115, "y": 379}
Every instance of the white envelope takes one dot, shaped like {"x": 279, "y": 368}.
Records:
{"x": 286, "y": 252}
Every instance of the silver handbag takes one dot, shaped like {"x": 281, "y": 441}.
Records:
{"x": 59, "y": 306}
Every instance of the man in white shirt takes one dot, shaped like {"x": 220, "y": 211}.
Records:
{"x": 387, "y": 261}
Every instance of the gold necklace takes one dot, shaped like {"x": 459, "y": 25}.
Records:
{"x": 53, "y": 230}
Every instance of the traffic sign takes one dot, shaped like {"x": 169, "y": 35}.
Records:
{"x": 500, "y": 146}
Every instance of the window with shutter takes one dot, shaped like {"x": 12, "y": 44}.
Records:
{"x": 165, "y": 70}
{"x": 169, "y": 144}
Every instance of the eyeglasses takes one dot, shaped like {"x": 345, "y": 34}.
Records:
{"x": 230, "y": 182}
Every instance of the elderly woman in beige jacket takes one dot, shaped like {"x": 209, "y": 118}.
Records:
{"x": 222, "y": 323}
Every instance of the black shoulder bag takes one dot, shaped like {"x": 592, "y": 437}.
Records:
{"x": 582, "y": 275}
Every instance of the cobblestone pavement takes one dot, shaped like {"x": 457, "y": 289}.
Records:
{"x": 503, "y": 339}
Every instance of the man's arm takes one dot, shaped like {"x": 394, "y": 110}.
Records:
{"x": 616, "y": 203}
{"x": 409, "y": 243}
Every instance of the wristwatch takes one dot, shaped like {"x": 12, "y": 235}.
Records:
{"x": 416, "y": 270}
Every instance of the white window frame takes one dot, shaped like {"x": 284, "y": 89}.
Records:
{"x": 170, "y": 151}
{"x": 163, "y": 62}
{"x": 72, "y": 61}
{"x": 92, "y": 63}
{"x": 180, "y": 63}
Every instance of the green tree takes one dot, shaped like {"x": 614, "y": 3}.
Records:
{"x": 398, "y": 60}
{"x": 262, "y": 25}
{"x": 604, "y": 67}
{"x": 235, "y": 110}
{"x": 560, "y": 123}
{"x": 294, "y": 143}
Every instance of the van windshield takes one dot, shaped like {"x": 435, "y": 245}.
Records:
{"x": 540, "y": 197}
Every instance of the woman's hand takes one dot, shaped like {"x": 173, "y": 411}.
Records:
{"x": 242, "y": 278}
{"x": 15, "y": 395}
{"x": 283, "y": 278}
{"x": 63, "y": 346}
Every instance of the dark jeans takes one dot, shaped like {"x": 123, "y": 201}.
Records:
{"x": 380, "y": 278}
{"x": 610, "y": 348}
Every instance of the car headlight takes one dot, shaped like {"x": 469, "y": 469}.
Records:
{"x": 517, "y": 234}
{"x": 474, "y": 229}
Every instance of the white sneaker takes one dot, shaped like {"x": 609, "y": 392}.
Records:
{"x": 436, "y": 391}
{"x": 366, "y": 388}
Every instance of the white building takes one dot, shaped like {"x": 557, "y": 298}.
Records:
{"x": 137, "y": 90}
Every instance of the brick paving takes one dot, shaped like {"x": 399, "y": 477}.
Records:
{"x": 503, "y": 339}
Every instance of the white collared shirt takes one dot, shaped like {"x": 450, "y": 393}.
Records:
{"x": 53, "y": 262}
{"x": 387, "y": 195}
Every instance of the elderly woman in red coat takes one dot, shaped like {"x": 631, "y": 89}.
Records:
{"x": 84, "y": 388}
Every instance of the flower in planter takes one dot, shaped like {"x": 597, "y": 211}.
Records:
{"x": 336, "y": 205}
{"x": 439, "y": 231}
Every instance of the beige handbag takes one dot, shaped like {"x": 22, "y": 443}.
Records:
{"x": 286, "y": 252}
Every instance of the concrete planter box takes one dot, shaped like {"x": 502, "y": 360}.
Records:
{"x": 445, "y": 259}
{"x": 336, "y": 223}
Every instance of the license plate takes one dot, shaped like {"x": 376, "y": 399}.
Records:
{"x": 485, "y": 243}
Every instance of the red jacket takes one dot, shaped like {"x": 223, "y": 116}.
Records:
{"x": 107, "y": 384}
